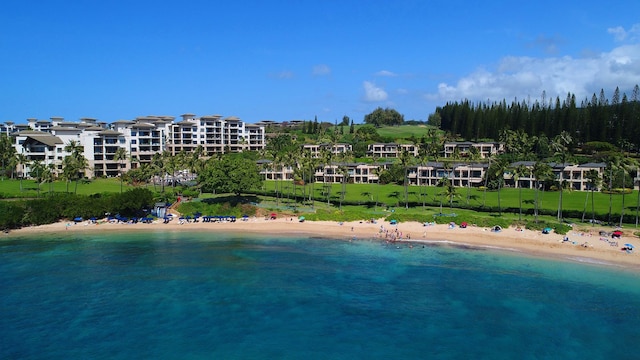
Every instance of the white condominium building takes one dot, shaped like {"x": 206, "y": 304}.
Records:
{"x": 45, "y": 141}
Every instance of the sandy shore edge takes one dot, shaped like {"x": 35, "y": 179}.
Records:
{"x": 584, "y": 246}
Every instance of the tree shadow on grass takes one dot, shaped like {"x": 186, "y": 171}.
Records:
{"x": 233, "y": 200}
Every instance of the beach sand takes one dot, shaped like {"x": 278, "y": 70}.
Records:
{"x": 585, "y": 244}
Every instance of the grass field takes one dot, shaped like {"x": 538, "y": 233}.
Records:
{"x": 404, "y": 131}
{"x": 392, "y": 196}
{"x": 371, "y": 200}
{"x": 29, "y": 188}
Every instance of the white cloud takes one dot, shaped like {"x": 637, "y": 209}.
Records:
{"x": 620, "y": 34}
{"x": 372, "y": 93}
{"x": 321, "y": 70}
{"x": 525, "y": 77}
{"x": 385, "y": 73}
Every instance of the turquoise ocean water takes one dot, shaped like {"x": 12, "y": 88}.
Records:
{"x": 215, "y": 296}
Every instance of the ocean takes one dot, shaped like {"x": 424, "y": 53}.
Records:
{"x": 182, "y": 295}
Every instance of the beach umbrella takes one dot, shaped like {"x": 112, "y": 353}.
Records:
{"x": 629, "y": 246}
{"x": 78, "y": 219}
{"x": 301, "y": 218}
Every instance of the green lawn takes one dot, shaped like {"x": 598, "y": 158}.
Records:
{"x": 392, "y": 196}
{"x": 12, "y": 188}
{"x": 404, "y": 131}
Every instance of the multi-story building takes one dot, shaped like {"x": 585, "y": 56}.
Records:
{"x": 336, "y": 149}
{"x": 214, "y": 134}
{"x": 47, "y": 140}
{"x": 391, "y": 150}
{"x": 485, "y": 149}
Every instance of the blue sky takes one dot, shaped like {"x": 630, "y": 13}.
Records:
{"x": 294, "y": 60}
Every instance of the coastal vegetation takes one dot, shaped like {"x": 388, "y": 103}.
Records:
{"x": 540, "y": 132}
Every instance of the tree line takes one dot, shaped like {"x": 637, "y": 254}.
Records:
{"x": 599, "y": 119}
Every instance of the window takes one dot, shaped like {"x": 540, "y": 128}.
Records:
{"x": 133, "y": 141}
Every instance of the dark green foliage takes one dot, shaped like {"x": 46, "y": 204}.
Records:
{"x": 130, "y": 203}
{"x": 591, "y": 121}
{"x": 230, "y": 174}
{"x": 368, "y": 133}
{"x": 221, "y": 208}
{"x": 14, "y": 214}
{"x": 380, "y": 117}
{"x": 395, "y": 175}
{"x": 11, "y": 214}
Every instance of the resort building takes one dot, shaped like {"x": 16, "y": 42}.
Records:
{"x": 215, "y": 135}
{"x": 390, "y": 150}
{"x": 46, "y": 140}
{"x": 575, "y": 176}
{"x": 336, "y": 149}
{"x": 463, "y": 148}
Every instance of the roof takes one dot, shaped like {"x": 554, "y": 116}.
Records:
{"x": 46, "y": 139}
{"x": 94, "y": 128}
{"x": 143, "y": 125}
{"x": 109, "y": 132}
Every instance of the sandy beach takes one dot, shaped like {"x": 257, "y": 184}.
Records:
{"x": 584, "y": 243}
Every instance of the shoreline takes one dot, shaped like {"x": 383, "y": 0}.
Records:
{"x": 584, "y": 245}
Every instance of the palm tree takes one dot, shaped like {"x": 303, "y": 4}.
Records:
{"x": 450, "y": 191}
{"x": 594, "y": 181}
{"x": 37, "y": 172}
{"x": 326, "y": 155}
{"x": 158, "y": 169}
{"x": 423, "y": 159}
{"x": 626, "y": 165}
{"x": 541, "y": 171}
{"x": 519, "y": 171}
{"x": 77, "y": 163}
{"x": 50, "y": 175}
{"x": 486, "y": 180}
{"x": 499, "y": 168}
{"x": 81, "y": 165}
{"x": 120, "y": 156}
{"x": 21, "y": 160}
{"x": 613, "y": 163}
{"x": 405, "y": 159}
{"x": 7, "y": 152}
{"x": 560, "y": 146}
{"x": 474, "y": 156}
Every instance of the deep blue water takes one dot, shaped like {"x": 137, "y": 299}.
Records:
{"x": 214, "y": 296}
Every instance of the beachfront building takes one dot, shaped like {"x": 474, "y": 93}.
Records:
{"x": 46, "y": 141}
{"x": 432, "y": 173}
{"x": 575, "y": 176}
{"x": 215, "y": 135}
{"x": 463, "y": 148}
{"x": 461, "y": 175}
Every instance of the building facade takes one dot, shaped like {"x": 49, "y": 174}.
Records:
{"x": 47, "y": 141}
